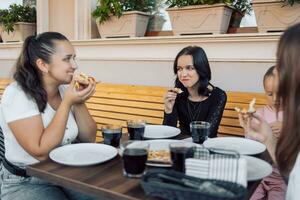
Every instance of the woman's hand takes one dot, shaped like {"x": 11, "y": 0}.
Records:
{"x": 169, "y": 99}
{"x": 260, "y": 130}
{"x": 276, "y": 128}
{"x": 74, "y": 96}
{"x": 243, "y": 120}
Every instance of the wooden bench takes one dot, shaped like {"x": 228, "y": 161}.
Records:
{"x": 116, "y": 103}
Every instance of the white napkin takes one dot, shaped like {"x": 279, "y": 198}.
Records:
{"x": 226, "y": 169}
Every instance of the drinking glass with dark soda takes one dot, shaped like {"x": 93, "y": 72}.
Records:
{"x": 135, "y": 155}
{"x": 112, "y": 135}
{"x": 136, "y": 129}
{"x": 179, "y": 152}
{"x": 199, "y": 131}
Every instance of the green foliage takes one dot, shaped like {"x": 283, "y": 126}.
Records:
{"x": 291, "y": 2}
{"x": 242, "y": 6}
{"x": 181, "y": 3}
{"x": 138, "y": 5}
{"x": 16, "y": 13}
{"x": 107, "y": 8}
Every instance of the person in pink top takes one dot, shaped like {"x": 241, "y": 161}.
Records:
{"x": 268, "y": 112}
{"x": 273, "y": 186}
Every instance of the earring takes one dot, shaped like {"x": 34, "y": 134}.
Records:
{"x": 210, "y": 87}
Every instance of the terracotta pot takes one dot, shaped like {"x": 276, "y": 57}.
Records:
{"x": 1, "y": 30}
{"x": 201, "y": 19}
{"x": 130, "y": 24}
{"x": 236, "y": 19}
{"x": 273, "y": 16}
{"x": 21, "y": 32}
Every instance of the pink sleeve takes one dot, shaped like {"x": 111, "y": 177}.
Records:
{"x": 260, "y": 112}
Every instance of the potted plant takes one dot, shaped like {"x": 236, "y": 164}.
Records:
{"x": 276, "y": 15}
{"x": 241, "y": 8}
{"x": 123, "y": 18}
{"x": 17, "y": 22}
{"x": 190, "y": 17}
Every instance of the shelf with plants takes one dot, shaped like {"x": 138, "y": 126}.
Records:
{"x": 126, "y": 18}
{"x": 192, "y": 17}
{"x": 276, "y": 15}
{"x": 17, "y": 22}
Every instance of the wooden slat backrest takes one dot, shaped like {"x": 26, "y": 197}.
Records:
{"x": 116, "y": 103}
{"x": 3, "y": 83}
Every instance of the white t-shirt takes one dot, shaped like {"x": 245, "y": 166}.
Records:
{"x": 15, "y": 105}
{"x": 293, "y": 189}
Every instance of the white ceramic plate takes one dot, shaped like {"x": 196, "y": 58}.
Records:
{"x": 83, "y": 154}
{"x": 160, "y": 131}
{"x": 257, "y": 168}
{"x": 241, "y": 145}
{"x": 156, "y": 145}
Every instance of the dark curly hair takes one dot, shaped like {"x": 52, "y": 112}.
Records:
{"x": 201, "y": 65}
{"x": 27, "y": 74}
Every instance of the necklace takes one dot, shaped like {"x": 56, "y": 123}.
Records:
{"x": 193, "y": 109}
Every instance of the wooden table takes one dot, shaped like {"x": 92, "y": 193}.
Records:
{"x": 104, "y": 180}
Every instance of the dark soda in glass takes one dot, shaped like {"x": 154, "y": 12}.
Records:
{"x": 178, "y": 156}
{"x": 112, "y": 135}
{"x": 199, "y": 135}
{"x": 136, "y": 132}
{"x": 199, "y": 131}
{"x": 112, "y": 139}
{"x": 134, "y": 161}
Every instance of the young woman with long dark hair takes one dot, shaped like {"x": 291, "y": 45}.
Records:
{"x": 39, "y": 113}
{"x": 285, "y": 149}
{"x": 200, "y": 100}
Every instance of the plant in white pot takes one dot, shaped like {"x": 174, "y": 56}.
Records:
{"x": 276, "y": 15}
{"x": 123, "y": 18}
{"x": 17, "y": 22}
{"x": 191, "y": 17}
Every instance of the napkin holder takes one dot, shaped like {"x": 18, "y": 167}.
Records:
{"x": 172, "y": 185}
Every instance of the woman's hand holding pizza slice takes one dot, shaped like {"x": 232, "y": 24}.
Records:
{"x": 82, "y": 81}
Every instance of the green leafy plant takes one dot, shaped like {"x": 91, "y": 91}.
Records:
{"x": 181, "y": 3}
{"x": 108, "y": 8}
{"x": 242, "y": 6}
{"x": 16, "y": 13}
{"x": 291, "y": 2}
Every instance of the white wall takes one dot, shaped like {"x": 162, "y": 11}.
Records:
{"x": 238, "y": 61}
{"x": 62, "y": 17}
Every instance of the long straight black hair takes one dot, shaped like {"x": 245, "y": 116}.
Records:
{"x": 27, "y": 74}
{"x": 201, "y": 65}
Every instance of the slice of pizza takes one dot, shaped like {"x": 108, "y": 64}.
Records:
{"x": 250, "y": 110}
{"x": 82, "y": 81}
{"x": 177, "y": 90}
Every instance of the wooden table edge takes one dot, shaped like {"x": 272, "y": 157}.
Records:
{"x": 78, "y": 185}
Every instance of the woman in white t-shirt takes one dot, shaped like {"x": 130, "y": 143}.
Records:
{"x": 39, "y": 113}
{"x": 285, "y": 149}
